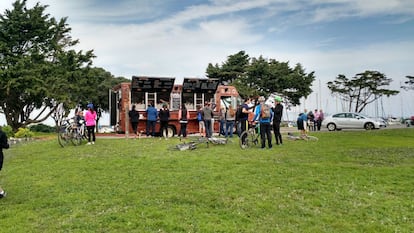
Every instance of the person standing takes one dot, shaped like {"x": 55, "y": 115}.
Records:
{"x": 310, "y": 121}
{"x": 222, "y": 120}
{"x": 164, "y": 115}
{"x": 201, "y": 125}
{"x": 3, "y": 145}
{"x": 244, "y": 117}
{"x": 208, "y": 116}
{"x": 237, "y": 120}
{"x": 316, "y": 114}
{"x": 183, "y": 116}
{"x": 134, "y": 119}
{"x": 230, "y": 118}
{"x": 152, "y": 115}
{"x": 277, "y": 119}
{"x": 320, "y": 119}
{"x": 90, "y": 120}
{"x": 264, "y": 114}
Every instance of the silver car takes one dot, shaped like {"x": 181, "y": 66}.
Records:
{"x": 350, "y": 120}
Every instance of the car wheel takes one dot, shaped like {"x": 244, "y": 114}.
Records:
{"x": 331, "y": 127}
{"x": 369, "y": 126}
{"x": 171, "y": 131}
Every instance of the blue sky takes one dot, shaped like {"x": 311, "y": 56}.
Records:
{"x": 178, "y": 38}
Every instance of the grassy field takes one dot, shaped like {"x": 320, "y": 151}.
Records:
{"x": 348, "y": 181}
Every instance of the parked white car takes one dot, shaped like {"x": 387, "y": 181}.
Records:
{"x": 350, "y": 120}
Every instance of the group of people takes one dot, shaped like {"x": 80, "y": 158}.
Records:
{"x": 310, "y": 121}
{"x": 268, "y": 117}
{"x": 89, "y": 118}
{"x": 152, "y": 117}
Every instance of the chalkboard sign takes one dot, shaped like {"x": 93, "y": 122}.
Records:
{"x": 176, "y": 102}
{"x": 200, "y": 85}
{"x": 152, "y": 84}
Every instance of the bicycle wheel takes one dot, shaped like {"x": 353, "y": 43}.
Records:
{"x": 63, "y": 137}
{"x": 250, "y": 139}
{"x": 76, "y": 137}
{"x": 311, "y": 138}
{"x": 245, "y": 144}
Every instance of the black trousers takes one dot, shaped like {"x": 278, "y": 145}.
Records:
{"x": 265, "y": 133}
{"x": 276, "y": 130}
{"x": 183, "y": 129}
{"x": 91, "y": 131}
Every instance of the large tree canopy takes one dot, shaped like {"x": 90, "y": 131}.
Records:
{"x": 38, "y": 68}
{"x": 362, "y": 89}
{"x": 409, "y": 84}
{"x": 259, "y": 76}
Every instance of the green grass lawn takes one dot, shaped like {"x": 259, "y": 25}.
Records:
{"x": 348, "y": 181}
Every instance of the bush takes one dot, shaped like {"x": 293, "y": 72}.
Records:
{"x": 42, "y": 128}
{"x": 8, "y": 130}
{"x": 23, "y": 133}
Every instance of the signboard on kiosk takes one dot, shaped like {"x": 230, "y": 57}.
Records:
{"x": 200, "y": 85}
{"x": 152, "y": 84}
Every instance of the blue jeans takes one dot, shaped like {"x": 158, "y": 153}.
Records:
{"x": 222, "y": 127}
{"x": 209, "y": 133}
{"x": 229, "y": 128}
{"x": 151, "y": 126}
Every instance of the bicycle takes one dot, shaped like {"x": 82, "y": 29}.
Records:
{"x": 304, "y": 137}
{"x": 251, "y": 136}
{"x": 71, "y": 132}
{"x": 192, "y": 145}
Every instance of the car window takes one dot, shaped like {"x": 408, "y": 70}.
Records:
{"x": 349, "y": 115}
{"x": 339, "y": 115}
{"x": 359, "y": 116}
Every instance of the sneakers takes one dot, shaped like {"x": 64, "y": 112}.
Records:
{"x": 88, "y": 143}
{"x": 3, "y": 194}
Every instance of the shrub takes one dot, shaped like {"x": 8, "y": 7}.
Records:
{"x": 42, "y": 128}
{"x": 8, "y": 130}
{"x": 23, "y": 133}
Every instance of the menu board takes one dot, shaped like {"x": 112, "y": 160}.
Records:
{"x": 152, "y": 84}
{"x": 200, "y": 85}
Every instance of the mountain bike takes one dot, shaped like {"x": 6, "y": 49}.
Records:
{"x": 69, "y": 131}
{"x": 192, "y": 145}
{"x": 304, "y": 137}
{"x": 251, "y": 136}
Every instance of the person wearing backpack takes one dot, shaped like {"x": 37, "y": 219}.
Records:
{"x": 264, "y": 114}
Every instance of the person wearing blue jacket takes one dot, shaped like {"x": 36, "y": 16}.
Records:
{"x": 264, "y": 114}
{"x": 152, "y": 115}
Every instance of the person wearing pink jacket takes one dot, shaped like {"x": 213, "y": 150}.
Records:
{"x": 90, "y": 120}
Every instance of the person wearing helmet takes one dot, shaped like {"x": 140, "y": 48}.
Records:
{"x": 90, "y": 121}
{"x": 277, "y": 119}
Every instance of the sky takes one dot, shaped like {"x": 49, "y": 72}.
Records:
{"x": 179, "y": 38}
